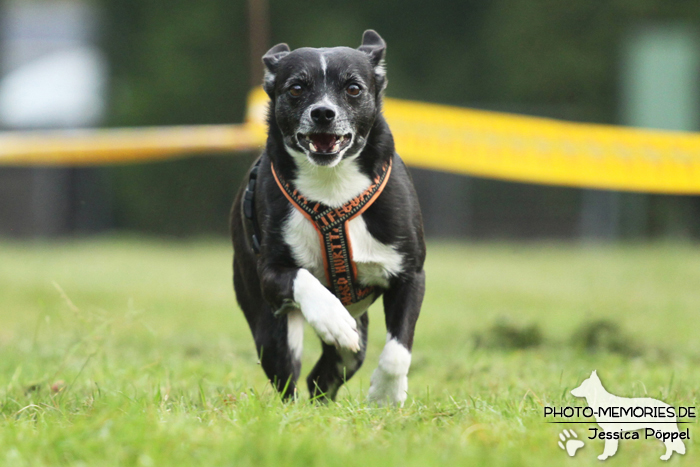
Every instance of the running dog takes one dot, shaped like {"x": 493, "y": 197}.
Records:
{"x": 326, "y": 222}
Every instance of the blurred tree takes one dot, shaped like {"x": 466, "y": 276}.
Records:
{"x": 176, "y": 62}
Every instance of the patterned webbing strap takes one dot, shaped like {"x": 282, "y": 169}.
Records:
{"x": 332, "y": 227}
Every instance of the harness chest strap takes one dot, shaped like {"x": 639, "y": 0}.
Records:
{"x": 331, "y": 224}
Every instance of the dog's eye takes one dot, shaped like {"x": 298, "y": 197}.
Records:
{"x": 295, "y": 91}
{"x": 353, "y": 90}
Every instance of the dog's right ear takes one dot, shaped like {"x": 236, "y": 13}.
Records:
{"x": 271, "y": 59}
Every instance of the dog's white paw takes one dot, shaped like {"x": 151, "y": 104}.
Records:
{"x": 389, "y": 382}
{"x": 333, "y": 323}
{"x": 386, "y": 389}
{"x": 324, "y": 312}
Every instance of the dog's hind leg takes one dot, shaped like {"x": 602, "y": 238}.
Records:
{"x": 336, "y": 366}
{"x": 278, "y": 342}
{"x": 278, "y": 339}
{"x": 402, "y": 302}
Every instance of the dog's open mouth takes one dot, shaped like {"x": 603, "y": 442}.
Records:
{"x": 324, "y": 143}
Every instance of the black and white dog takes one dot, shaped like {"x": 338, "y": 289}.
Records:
{"x": 328, "y": 221}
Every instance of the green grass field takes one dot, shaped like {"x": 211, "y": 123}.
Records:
{"x": 129, "y": 351}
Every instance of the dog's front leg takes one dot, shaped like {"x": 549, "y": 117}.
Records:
{"x": 298, "y": 288}
{"x": 402, "y": 302}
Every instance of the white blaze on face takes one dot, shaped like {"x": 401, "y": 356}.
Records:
{"x": 389, "y": 382}
{"x": 324, "y": 65}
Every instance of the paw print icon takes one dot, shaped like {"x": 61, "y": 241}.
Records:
{"x": 569, "y": 443}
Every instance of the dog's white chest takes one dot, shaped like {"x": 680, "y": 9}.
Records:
{"x": 376, "y": 262}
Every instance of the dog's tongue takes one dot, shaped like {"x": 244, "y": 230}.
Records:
{"x": 323, "y": 141}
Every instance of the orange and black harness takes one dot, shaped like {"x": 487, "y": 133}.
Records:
{"x": 332, "y": 227}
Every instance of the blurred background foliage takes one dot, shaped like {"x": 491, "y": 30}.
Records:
{"x": 182, "y": 62}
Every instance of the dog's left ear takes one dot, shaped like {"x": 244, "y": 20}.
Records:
{"x": 374, "y": 46}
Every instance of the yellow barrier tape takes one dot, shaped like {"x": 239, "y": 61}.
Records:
{"x": 535, "y": 150}
{"x": 538, "y": 150}
{"x": 472, "y": 142}
{"x": 117, "y": 146}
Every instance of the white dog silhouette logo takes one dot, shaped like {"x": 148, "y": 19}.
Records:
{"x": 616, "y": 415}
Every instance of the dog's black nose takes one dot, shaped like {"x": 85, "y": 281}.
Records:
{"x": 322, "y": 115}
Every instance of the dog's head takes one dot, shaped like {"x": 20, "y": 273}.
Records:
{"x": 325, "y": 101}
{"x": 589, "y": 386}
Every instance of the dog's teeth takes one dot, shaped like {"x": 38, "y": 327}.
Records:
{"x": 313, "y": 147}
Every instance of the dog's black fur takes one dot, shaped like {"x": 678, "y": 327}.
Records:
{"x": 264, "y": 282}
